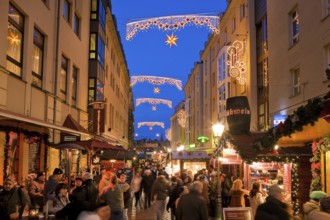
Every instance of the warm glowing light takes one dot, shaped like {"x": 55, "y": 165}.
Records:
{"x": 156, "y": 90}
{"x": 154, "y": 101}
{"x": 218, "y": 129}
{"x": 156, "y": 80}
{"x": 180, "y": 148}
{"x": 154, "y": 108}
{"x": 173, "y": 23}
{"x": 276, "y": 147}
{"x": 235, "y": 62}
{"x": 171, "y": 40}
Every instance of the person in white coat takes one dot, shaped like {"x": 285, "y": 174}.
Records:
{"x": 256, "y": 197}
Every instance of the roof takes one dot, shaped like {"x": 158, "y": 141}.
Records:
{"x": 92, "y": 144}
{"x": 69, "y": 122}
{"x": 189, "y": 155}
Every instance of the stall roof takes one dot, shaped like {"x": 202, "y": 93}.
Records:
{"x": 117, "y": 155}
{"x": 93, "y": 144}
{"x": 244, "y": 144}
{"x": 189, "y": 155}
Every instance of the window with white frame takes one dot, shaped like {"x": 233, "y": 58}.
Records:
{"x": 295, "y": 81}
{"x": 294, "y": 17}
{"x": 37, "y": 58}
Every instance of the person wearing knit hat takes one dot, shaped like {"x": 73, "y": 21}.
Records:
{"x": 313, "y": 204}
{"x": 52, "y": 182}
{"x": 36, "y": 190}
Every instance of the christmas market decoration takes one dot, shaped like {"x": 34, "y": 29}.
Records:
{"x": 236, "y": 61}
{"x": 156, "y": 90}
{"x": 304, "y": 115}
{"x": 322, "y": 145}
{"x": 171, "y": 39}
{"x": 168, "y": 134}
{"x": 151, "y": 124}
{"x": 154, "y": 101}
{"x": 156, "y": 80}
{"x": 181, "y": 115}
{"x": 172, "y": 23}
{"x": 154, "y": 108}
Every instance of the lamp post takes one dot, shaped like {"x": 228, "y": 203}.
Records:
{"x": 217, "y": 131}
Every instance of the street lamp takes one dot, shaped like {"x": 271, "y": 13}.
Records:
{"x": 217, "y": 131}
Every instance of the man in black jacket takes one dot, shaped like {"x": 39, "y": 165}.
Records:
{"x": 192, "y": 206}
{"x": 147, "y": 181}
{"x": 90, "y": 189}
{"x": 274, "y": 208}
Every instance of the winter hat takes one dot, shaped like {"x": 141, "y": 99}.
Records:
{"x": 325, "y": 204}
{"x": 40, "y": 174}
{"x": 274, "y": 190}
{"x": 317, "y": 195}
{"x": 57, "y": 171}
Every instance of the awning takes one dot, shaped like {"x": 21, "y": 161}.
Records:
{"x": 118, "y": 155}
{"x": 94, "y": 144}
{"x": 189, "y": 155}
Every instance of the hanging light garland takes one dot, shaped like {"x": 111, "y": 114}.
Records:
{"x": 172, "y": 23}
{"x": 156, "y": 80}
{"x": 154, "y": 101}
{"x": 151, "y": 124}
{"x": 181, "y": 116}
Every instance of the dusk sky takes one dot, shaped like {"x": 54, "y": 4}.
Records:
{"x": 148, "y": 54}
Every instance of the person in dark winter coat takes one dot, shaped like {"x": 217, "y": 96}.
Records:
{"x": 192, "y": 206}
{"x": 176, "y": 184}
{"x": 90, "y": 189}
{"x": 274, "y": 208}
{"x": 313, "y": 204}
{"x": 147, "y": 181}
{"x": 13, "y": 200}
{"x": 52, "y": 182}
{"x": 78, "y": 204}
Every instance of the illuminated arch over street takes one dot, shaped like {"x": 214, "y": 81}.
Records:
{"x": 172, "y": 23}
{"x": 153, "y": 101}
{"x": 151, "y": 124}
{"x": 156, "y": 80}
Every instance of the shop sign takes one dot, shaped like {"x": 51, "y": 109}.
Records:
{"x": 192, "y": 145}
{"x": 203, "y": 139}
{"x": 70, "y": 138}
{"x": 237, "y": 213}
{"x": 278, "y": 119}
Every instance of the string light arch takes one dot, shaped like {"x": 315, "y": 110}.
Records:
{"x": 172, "y": 23}
{"x": 153, "y": 101}
{"x": 156, "y": 80}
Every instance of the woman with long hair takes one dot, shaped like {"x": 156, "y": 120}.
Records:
{"x": 256, "y": 197}
{"x": 237, "y": 194}
{"x": 136, "y": 186}
{"x": 59, "y": 198}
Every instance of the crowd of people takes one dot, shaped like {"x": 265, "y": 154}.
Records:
{"x": 186, "y": 196}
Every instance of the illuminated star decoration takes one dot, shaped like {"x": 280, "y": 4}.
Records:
{"x": 171, "y": 40}
{"x": 156, "y": 90}
{"x": 154, "y": 108}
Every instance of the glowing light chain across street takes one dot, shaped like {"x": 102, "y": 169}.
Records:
{"x": 171, "y": 23}
{"x": 157, "y": 80}
{"x": 151, "y": 124}
{"x": 154, "y": 101}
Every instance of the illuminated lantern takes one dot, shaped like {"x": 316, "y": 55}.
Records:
{"x": 238, "y": 115}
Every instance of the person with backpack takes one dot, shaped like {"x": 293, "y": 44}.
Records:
{"x": 13, "y": 200}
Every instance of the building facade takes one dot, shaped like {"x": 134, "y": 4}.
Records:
{"x": 178, "y": 124}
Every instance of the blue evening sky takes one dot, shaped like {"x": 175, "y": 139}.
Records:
{"x": 148, "y": 54}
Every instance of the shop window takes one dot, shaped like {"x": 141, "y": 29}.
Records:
{"x": 92, "y": 46}
{"x": 295, "y": 82}
{"x": 74, "y": 84}
{"x": 37, "y": 58}
{"x": 91, "y": 90}
{"x": 15, "y": 38}
{"x": 76, "y": 24}
{"x": 294, "y": 18}
{"x": 64, "y": 74}
{"x": 66, "y": 10}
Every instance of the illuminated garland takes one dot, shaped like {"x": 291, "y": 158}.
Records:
{"x": 168, "y": 134}
{"x": 236, "y": 62}
{"x": 154, "y": 101}
{"x": 157, "y": 80}
{"x": 151, "y": 124}
{"x": 181, "y": 115}
{"x": 322, "y": 145}
{"x": 171, "y": 23}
